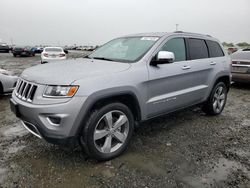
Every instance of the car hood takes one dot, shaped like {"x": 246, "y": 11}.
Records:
{"x": 67, "y": 71}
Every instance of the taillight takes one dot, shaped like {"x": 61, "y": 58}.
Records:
{"x": 61, "y": 55}
{"x": 46, "y": 55}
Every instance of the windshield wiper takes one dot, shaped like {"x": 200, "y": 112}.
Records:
{"x": 103, "y": 58}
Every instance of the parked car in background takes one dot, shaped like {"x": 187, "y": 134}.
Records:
{"x": 7, "y": 81}
{"x": 50, "y": 54}
{"x": 38, "y": 50}
{"x": 4, "y": 47}
{"x": 66, "y": 51}
{"x": 23, "y": 51}
{"x": 241, "y": 66}
{"x": 97, "y": 100}
{"x": 231, "y": 50}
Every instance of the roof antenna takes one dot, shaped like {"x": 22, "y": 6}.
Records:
{"x": 176, "y": 27}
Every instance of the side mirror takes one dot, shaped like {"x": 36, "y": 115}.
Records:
{"x": 163, "y": 57}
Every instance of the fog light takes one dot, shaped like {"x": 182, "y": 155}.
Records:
{"x": 54, "y": 120}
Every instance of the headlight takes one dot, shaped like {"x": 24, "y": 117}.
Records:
{"x": 60, "y": 91}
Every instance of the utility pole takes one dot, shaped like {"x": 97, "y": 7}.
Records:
{"x": 176, "y": 27}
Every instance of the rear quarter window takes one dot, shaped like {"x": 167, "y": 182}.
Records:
{"x": 197, "y": 49}
{"x": 214, "y": 49}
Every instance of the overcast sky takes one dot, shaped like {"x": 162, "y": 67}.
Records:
{"x": 85, "y": 22}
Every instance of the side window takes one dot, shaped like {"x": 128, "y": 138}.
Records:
{"x": 214, "y": 49}
{"x": 197, "y": 49}
{"x": 177, "y": 46}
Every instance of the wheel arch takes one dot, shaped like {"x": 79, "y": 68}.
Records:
{"x": 127, "y": 98}
{"x": 225, "y": 79}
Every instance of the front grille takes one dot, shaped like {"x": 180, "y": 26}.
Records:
{"x": 25, "y": 90}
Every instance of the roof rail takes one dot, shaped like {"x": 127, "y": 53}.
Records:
{"x": 192, "y": 33}
{"x": 178, "y": 32}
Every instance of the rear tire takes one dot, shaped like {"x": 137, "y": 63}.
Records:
{"x": 217, "y": 100}
{"x": 14, "y": 55}
{"x": 108, "y": 131}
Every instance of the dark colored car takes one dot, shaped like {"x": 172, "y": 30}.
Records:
{"x": 4, "y": 47}
{"x": 241, "y": 66}
{"x": 38, "y": 50}
{"x": 23, "y": 51}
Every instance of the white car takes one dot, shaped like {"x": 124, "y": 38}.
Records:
{"x": 7, "y": 81}
{"x": 52, "y": 54}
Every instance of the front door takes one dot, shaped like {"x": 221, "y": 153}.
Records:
{"x": 174, "y": 85}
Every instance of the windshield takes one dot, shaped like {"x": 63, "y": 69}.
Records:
{"x": 127, "y": 49}
{"x": 53, "y": 49}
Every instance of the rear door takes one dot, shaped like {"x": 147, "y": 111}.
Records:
{"x": 203, "y": 67}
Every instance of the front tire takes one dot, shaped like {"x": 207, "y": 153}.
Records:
{"x": 217, "y": 100}
{"x": 108, "y": 131}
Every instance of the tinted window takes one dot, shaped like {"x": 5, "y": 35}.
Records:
{"x": 197, "y": 49}
{"x": 214, "y": 49}
{"x": 53, "y": 49}
{"x": 177, "y": 46}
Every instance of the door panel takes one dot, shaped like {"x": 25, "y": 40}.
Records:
{"x": 176, "y": 85}
{"x": 171, "y": 87}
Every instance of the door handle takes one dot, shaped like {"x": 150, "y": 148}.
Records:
{"x": 213, "y": 63}
{"x": 185, "y": 67}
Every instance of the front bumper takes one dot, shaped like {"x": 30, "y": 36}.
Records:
{"x": 241, "y": 77}
{"x": 56, "y": 123}
{"x": 241, "y": 73}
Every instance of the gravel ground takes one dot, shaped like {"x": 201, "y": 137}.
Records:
{"x": 183, "y": 149}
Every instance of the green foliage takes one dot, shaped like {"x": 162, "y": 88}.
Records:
{"x": 228, "y": 44}
{"x": 243, "y": 44}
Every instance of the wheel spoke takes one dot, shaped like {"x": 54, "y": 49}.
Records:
{"x": 216, "y": 95}
{"x": 222, "y": 96}
{"x": 220, "y": 89}
{"x": 215, "y": 104}
{"x": 109, "y": 119}
{"x": 120, "y": 136}
{"x": 107, "y": 144}
{"x": 122, "y": 120}
{"x": 219, "y": 105}
{"x": 100, "y": 134}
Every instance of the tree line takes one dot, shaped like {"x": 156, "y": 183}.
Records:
{"x": 241, "y": 44}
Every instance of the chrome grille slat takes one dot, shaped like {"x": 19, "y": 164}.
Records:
{"x": 25, "y": 90}
{"x": 21, "y": 89}
{"x": 20, "y": 85}
{"x": 17, "y": 85}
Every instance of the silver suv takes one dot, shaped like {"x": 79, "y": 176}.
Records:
{"x": 97, "y": 100}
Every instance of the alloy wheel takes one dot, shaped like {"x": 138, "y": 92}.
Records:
{"x": 111, "y": 131}
{"x": 219, "y": 99}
